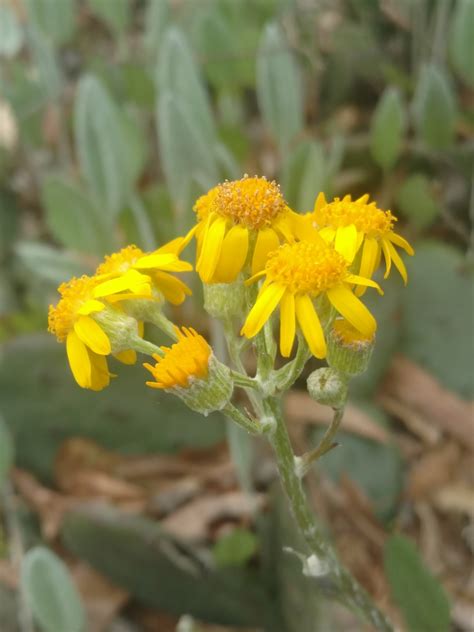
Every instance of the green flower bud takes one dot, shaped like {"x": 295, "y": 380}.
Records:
{"x": 121, "y": 329}
{"x": 349, "y": 351}
{"x": 224, "y": 300}
{"x": 327, "y": 386}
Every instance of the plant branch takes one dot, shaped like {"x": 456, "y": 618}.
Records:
{"x": 305, "y": 462}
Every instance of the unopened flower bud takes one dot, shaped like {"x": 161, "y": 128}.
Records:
{"x": 224, "y": 300}
{"x": 349, "y": 351}
{"x": 121, "y": 329}
{"x": 327, "y": 386}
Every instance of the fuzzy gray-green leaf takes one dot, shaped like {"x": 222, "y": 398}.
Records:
{"x": 388, "y": 125}
{"x": 461, "y": 41}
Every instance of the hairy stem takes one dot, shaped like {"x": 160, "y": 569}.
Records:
{"x": 326, "y": 444}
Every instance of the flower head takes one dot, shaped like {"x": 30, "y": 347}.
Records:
{"x": 295, "y": 275}
{"x": 240, "y": 222}
{"x": 352, "y": 224}
{"x": 189, "y": 369}
{"x": 77, "y": 318}
{"x": 157, "y": 265}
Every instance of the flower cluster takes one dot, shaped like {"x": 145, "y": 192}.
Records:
{"x": 313, "y": 269}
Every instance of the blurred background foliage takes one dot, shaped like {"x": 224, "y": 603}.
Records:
{"x": 116, "y": 114}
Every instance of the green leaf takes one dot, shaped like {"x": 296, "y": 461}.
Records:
{"x": 101, "y": 145}
{"x": 157, "y": 18}
{"x": 437, "y": 312}
{"x": 9, "y": 215}
{"x": 49, "y": 77}
{"x": 177, "y": 74}
{"x": 7, "y": 452}
{"x": 74, "y": 219}
{"x": 11, "y": 33}
{"x": 388, "y": 126}
{"x": 114, "y": 13}
{"x": 304, "y": 175}
{"x": 434, "y": 108}
{"x": 461, "y": 47}
{"x": 217, "y": 46}
{"x": 126, "y": 416}
{"x": 418, "y": 594}
{"x": 51, "y": 593}
{"x": 184, "y": 151}
{"x": 358, "y": 458}
{"x": 235, "y": 548}
{"x": 55, "y": 19}
{"x": 46, "y": 263}
{"x": 279, "y": 86}
{"x": 417, "y": 202}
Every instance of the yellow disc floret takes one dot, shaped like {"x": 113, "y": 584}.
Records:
{"x": 306, "y": 267}
{"x": 348, "y": 335}
{"x": 367, "y": 218}
{"x": 74, "y": 295}
{"x": 250, "y": 202}
{"x": 120, "y": 262}
{"x": 187, "y": 358}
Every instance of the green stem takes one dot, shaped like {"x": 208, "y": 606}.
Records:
{"x": 158, "y": 319}
{"x": 243, "y": 380}
{"x": 287, "y": 375}
{"x": 143, "y": 346}
{"x": 326, "y": 444}
{"x": 248, "y": 424}
{"x": 348, "y": 589}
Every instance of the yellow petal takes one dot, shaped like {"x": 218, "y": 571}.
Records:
{"x": 352, "y": 309}
{"x": 284, "y": 226}
{"x": 287, "y": 324}
{"x": 79, "y": 360}
{"x": 92, "y": 335}
{"x": 233, "y": 254}
{"x": 100, "y": 376}
{"x": 320, "y": 202}
{"x": 346, "y": 241}
{"x": 267, "y": 240}
{"x": 89, "y": 307}
{"x": 255, "y": 277}
{"x": 141, "y": 328}
{"x": 388, "y": 258}
{"x": 310, "y": 325}
{"x": 399, "y": 241}
{"x": 370, "y": 254}
{"x": 328, "y": 234}
{"x": 211, "y": 250}
{"x": 173, "y": 289}
{"x": 358, "y": 280}
{"x": 262, "y": 310}
{"x": 166, "y": 262}
{"x": 129, "y": 356}
{"x": 176, "y": 246}
{"x": 131, "y": 280}
{"x": 398, "y": 262}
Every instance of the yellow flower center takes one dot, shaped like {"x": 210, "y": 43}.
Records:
{"x": 74, "y": 294}
{"x": 187, "y": 358}
{"x": 306, "y": 267}
{"x": 349, "y": 335}
{"x": 121, "y": 261}
{"x": 367, "y": 218}
{"x": 252, "y": 202}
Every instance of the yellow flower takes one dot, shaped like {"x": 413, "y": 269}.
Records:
{"x": 298, "y": 273}
{"x": 239, "y": 223}
{"x": 186, "y": 359}
{"x": 73, "y": 320}
{"x": 350, "y": 224}
{"x": 155, "y": 265}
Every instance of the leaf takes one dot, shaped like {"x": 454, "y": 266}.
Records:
{"x": 73, "y": 218}
{"x": 7, "y": 452}
{"x": 100, "y": 144}
{"x": 418, "y": 594}
{"x": 434, "y": 108}
{"x": 177, "y": 74}
{"x": 134, "y": 552}
{"x": 11, "y": 33}
{"x": 114, "y": 13}
{"x": 217, "y": 46}
{"x": 9, "y": 216}
{"x": 55, "y": 19}
{"x": 358, "y": 458}
{"x": 388, "y": 126}
{"x": 41, "y": 261}
{"x": 437, "y": 311}
{"x": 461, "y": 41}
{"x": 279, "y": 86}
{"x": 49, "y": 77}
{"x": 157, "y": 18}
{"x": 417, "y": 202}
{"x": 126, "y": 416}
{"x": 51, "y": 593}
{"x": 184, "y": 151}
{"x": 304, "y": 175}
{"x": 235, "y": 548}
